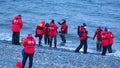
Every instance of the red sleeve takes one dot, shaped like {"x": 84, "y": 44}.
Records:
{"x": 25, "y": 42}
{"x": 21, "y": 24}
{"x": 95, "y": 34}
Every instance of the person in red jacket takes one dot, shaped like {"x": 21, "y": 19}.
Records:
{"x": 40, "y": 29}
{"x": 53, "y": 33}
{"x": 29, "y": 49}
{"x": 105, "y": 38}
{"x": 82, "y": 32}
{"x": 63, "y": 30}
{"x": 110, "y": 41}
{"x": 46, "y": 34}
{"x": 18, "y": 64}
{"x": 99, "y": 38}
{"x": 16, "y": 27}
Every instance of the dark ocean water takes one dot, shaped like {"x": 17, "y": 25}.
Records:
{"x": 105, "y": 13}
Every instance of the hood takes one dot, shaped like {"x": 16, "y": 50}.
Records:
{"x": 29, "y": 36}
{"x": 43, "y": 22}
{"x": 17, "y": 17}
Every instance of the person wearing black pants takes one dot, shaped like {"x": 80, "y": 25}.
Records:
{"x": 82, "y": 32}
{"x": 29, "y": 49}
{"x": 40, "y": 39}
{"x": 16, "y": 27}
{"x": 46, "y": 39}
{"x": 55, "y": 41}
{"x": 25, "y": 56}
{"x": 110, "y": 48}
{"x": 15, "y": 38}
{"x": 83, "y": 42}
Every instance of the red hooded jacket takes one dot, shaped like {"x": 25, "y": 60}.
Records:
{"x": 64, "y": 28}
{"x": 40, "y": 28}
{"x": 111, "y": 37}
{"x": 98, "y": 34}
{"x": 105, "y": 38}
{"x": 17, "y": 24}
{"x": 83, "y": 32}
{"x": 29, "y": 45}
{"x": 53, "y": 29}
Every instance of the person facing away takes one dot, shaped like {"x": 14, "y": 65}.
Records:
{"x": 16, "y": 27}
{"x": 29, "y": 49}
{"x": 105, "y": 38}
{"x": 99, "y": 38}
{"x": 110, "y": 41}
{"x": 82, "y": 32}
{"x": 63, "y": 30}
{"x": 46, "y": 34}
{"x": 53, "y": 33}
{"x": 40, "y": 28}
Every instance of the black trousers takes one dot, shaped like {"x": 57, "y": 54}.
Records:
{"x": 62, "y": 35}
{"x": 15, "y": 38}
{"x": 55, "y": 41}
{"x": 40, "y": 39}
{"x": 82, "y": 43}
{"x": 25, "y": 56}
{"x": 104, "y": 50}
{"x": 98, "y": 46}
{"x": 110, "y": 48}
{"x": 46, "y": 39}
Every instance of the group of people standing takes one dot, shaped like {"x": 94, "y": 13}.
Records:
{"x": 48, "y": 30}
{"x": 105, "y": 37}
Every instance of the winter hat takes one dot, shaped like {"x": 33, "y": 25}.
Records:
{"x": 20, "y": 15}
{"x": 40, "y": 24}
{"x": 52, "y": 21}
{"x": 106, "y": 29}
{"x": 19, "y": 64}
{"x": 84, "y": 24}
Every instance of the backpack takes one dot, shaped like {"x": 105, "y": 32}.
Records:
{"x": 80, "y": 29}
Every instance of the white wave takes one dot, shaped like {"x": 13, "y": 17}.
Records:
{"x": 5, "y": 36}
{"x": 117, "y": 53}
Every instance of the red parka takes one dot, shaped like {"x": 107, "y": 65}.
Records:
{"x": 64, "y": 28}
{"x": 111, "y": 37}
{"x": 17, "y": 24}
{"x": 83, "y": 32}
{"x": 53, "y": 29}
{"x": 40, "y": 28}
{"x": 98, "y": 34}
{"x": 105, "y": 38}
{"x": 29, "y": 45}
